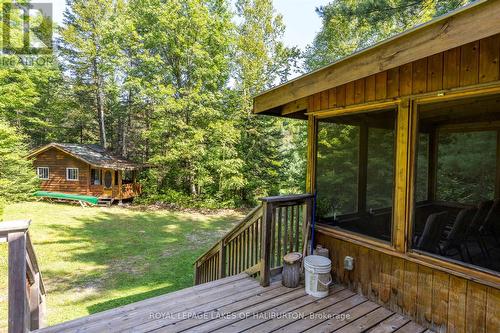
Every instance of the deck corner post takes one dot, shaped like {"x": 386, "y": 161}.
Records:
{"x": 19, "y": 314}
{"x": 267, "y": 220}
{"x": 307, "y": 223}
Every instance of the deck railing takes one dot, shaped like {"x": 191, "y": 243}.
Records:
{"x": 258, "y": 243}
{"x": 26, "y": 299}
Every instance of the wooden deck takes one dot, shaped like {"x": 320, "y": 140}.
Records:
{"x": 238, "y": 304}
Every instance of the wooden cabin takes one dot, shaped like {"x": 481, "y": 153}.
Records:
{"x": 85, "y": 169}
{"x": 404, "y": 157}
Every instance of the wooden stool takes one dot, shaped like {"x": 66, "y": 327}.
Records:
{"x": 291, "y": 270}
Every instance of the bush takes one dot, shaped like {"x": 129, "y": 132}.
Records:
{"x": 18, "y": 179}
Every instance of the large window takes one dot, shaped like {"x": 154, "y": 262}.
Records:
{"x": 355, "y": 173}
{"x": 457, "y": 209}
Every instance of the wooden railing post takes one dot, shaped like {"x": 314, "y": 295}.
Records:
{"x": 265, "y": 260}
{"x": 222, "y": 259}
{"x": 34, "y": 301}
{"x": 306, "y": 226}
{"x": 19, "y": 316}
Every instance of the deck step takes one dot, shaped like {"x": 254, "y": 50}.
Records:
{"x": 105, "y": 202}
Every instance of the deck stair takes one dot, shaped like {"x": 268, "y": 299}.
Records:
{"x": 258, "y": 243}
{"x": 105, "y": 202}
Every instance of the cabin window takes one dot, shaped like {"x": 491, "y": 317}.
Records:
{"x": 43, "y": 173}
{"x": 457, "y": 185}
{"x": 95, "y": 177}
{"x": 72, "y": 174}
{"x": 116, "y": 177}
{"x": 355, "y": 173}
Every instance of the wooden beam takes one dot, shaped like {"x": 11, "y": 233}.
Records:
{"x": 402, "y": 175}
{"x": 13, "y": 226}
{"x": 312, "y": 138}
{"x": 477, "y": 21}
{"x": 19, "y": 317}
{"x": 362, "y": 167}
{"x": 295, "y": 106}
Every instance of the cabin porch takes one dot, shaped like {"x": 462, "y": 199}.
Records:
{"x": 114, "y": 184}
{"x": 238, "y": 303}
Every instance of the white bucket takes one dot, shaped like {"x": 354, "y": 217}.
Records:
{"x": 317, "y": 275}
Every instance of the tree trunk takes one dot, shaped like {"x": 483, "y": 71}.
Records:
{"x": 100, "y": 105}
{"x": 125, "y": 125}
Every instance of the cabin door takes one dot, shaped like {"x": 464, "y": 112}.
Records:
{"x": 108, "y": 183}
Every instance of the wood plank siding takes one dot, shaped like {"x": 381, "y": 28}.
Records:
{"x": 440, "y": 301}
{"x": 57, "y": 162}
{"x": 437, "y": 294}
{"x": 468, "y": 28}
{"x": 467, "y": 65}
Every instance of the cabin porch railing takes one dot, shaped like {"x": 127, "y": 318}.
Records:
{"x": 131, "y": 189}
{"x": 26, "y": 295}
{"x": 257, "y": 244}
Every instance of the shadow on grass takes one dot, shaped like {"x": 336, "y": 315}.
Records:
{"x": 135, "y": 254}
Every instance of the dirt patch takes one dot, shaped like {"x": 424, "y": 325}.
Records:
{"x": 176, "y": 208}
{"x": 133, "y": 265}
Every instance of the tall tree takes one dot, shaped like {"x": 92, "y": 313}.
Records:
{"x": 261, "y": 60}
{"x": 88, "y": 48}
{"x": 351, "y": 25}
{"x": 185, "y": 71}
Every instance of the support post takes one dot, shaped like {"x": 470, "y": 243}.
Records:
{"x": 222, "y": 259}
{"x": 312, "y": 136}
{"x": 402, "y": 175}
{"x": 306, "y": 226}
{"x": 120, "y": 186}
{"x": 34, "y": 302}
{"x": 265, "y": 260}
{"x": 19, "y": 318}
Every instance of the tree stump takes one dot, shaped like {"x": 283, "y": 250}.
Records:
{"x": 291, "y": 270}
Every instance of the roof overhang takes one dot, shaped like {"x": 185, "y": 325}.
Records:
{"x": 46, "y": 147}
{"x": 464, "y": 25}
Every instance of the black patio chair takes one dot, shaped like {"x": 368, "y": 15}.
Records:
{"x": 491, "y": 223}
{"x": 433, "y": 230}
{"x": 455, "y": 239}
{"x": 476, "y": 224}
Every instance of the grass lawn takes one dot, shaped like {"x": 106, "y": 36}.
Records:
{"x": 94, "y": 259}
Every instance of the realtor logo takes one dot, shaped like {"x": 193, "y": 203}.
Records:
{"x": 26, "y": 28}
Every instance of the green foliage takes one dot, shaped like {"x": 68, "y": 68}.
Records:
{"x": 171, "y": 83}
{"x": 17, "y": 177}
{"x": 337, "y": 168}
{"x": 261, "y": 61}
{"x": 466, "y": 166}
{"x": 352, "y": 25}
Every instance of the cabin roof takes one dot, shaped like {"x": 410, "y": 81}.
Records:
{"x": 92, "y": 154}
{"x": 464, "y": 25}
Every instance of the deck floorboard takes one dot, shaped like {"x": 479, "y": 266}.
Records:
{"x": 240, "y": 304}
